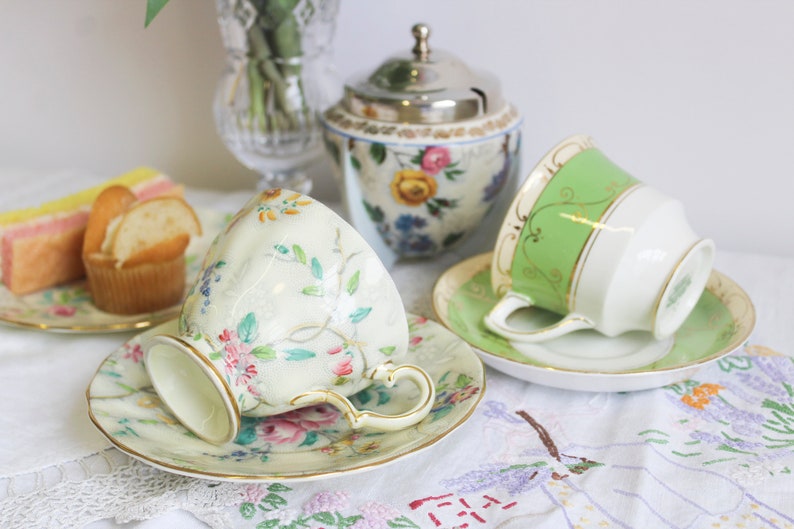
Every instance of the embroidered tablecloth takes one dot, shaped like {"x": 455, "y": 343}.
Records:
{"x": 715, "y": 451}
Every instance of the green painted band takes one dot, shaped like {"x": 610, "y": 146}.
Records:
{"x": 565, "y": 215}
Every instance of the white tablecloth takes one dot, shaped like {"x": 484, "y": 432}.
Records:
{"x": 529, "y": 456}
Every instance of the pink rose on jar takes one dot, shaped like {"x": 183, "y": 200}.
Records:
{"x": 435, "y": 159}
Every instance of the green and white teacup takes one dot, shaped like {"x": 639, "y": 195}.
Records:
{"x": 587, "y": 240}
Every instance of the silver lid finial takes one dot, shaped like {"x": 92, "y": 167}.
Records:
{"x": 421, "y": 50}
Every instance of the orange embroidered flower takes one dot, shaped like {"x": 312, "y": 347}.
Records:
{"x": 699, "y": 398}
{"x": 707, "y": 390}
{"x": 412, "y": 187}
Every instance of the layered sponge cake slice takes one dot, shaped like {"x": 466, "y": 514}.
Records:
{"x": 41, "y": 247}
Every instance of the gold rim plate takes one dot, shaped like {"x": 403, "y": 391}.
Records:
{"x": 720, "y": 323}
{"x": 69, "y": 308}
{"x": 310, "y": 443}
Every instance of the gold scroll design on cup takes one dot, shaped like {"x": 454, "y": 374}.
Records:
{"x": 521, "y": 207}
{"x": 555, "y": 294}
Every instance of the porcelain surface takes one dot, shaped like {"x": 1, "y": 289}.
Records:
{"x": 421, "y": 188}
{"x": 309, "y": 443}
{"x": 292, "y": 307}
{"x": 722, "y": 320}
{"x": 69, "y": 308}
{"x": 597, "y": 246}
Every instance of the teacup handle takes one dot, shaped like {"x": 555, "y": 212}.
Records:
{"x": 389, "y": 375}
{"x": 496, "y": 321}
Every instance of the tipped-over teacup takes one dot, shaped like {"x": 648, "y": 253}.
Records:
{"x": 585, "y": 239}
{"x": 292, "y": 308}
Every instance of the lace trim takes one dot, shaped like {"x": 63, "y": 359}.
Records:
{"x": 110, "y": 485}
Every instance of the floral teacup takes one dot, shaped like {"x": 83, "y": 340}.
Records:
{"x": 292, "y": 308}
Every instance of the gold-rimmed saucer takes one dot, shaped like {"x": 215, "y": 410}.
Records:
{"x": 311, "y": 443}
{"x": 69, "y": 308}
{"x": 720, "y": 323}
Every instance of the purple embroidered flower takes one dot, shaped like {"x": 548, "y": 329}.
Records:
{"x": 327, "y": 501}
{"x": 376, "y": 516}
{"x": 254, "y": 493}
{"x": 498, "y": 410}
{"x": 516, "y": 479}
{"x": 780, "y": 369}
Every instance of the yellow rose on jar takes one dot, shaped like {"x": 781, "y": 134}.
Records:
{"x": 412, "y": 187}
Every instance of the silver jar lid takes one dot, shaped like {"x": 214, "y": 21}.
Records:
{"x": 427, "y": 86}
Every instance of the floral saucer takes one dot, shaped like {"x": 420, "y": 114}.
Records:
{"x": 720, "y": 323}
{"x": 309, "y": 443}
{"x": 69, "y": 308}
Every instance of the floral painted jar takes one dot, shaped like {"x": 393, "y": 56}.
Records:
{"x": 421, "y": 149}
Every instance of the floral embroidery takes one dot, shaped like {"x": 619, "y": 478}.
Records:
{"x": 272, "y": 204}
{"x": 699, "y": 398}
{"x": 268, "y": 507}
{"x": 542, "y": 469}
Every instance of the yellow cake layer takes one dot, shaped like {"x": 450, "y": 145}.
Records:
{"x": 72, "y": 202}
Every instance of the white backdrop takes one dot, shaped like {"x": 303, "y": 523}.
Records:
{"x": 695, "y": 97}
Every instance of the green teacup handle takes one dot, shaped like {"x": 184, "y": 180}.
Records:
{"x": 388, "y": 374}
{"x": 496, "y": 321}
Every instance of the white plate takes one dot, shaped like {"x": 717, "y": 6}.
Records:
{"x": 721, "y": 321}
{"x": 69, "y": 308}
{"x": 313, "y": 443}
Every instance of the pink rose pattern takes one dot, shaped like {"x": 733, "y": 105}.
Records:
{"x": 435, "y": 159}
{"x": 300, "y": 426}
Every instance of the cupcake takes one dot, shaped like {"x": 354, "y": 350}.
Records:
{"x": 41, "y": 246}
{"x": 134, "y": 251}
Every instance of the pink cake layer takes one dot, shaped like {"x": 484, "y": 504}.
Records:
{"x": 53, "y": 225}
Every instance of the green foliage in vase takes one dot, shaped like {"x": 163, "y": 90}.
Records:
{"x": 273, "y": 67}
